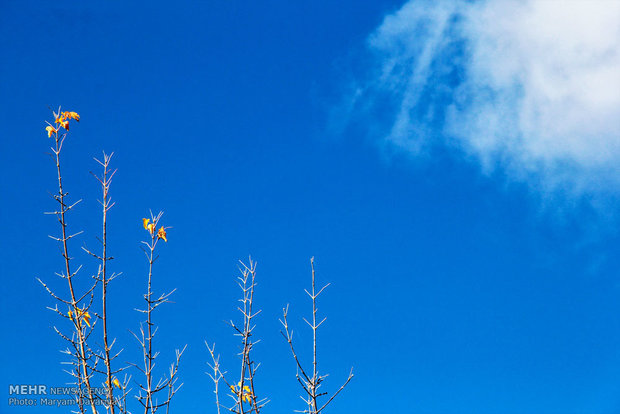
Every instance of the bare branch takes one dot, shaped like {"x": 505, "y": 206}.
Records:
{"x": 310, "y": 384}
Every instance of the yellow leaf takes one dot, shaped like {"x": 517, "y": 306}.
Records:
{"x": 80, "y": 313}
{"x": 161, "y": 234}
{"x": 50, "y": 130}
{"x": 116, "y": 383}
{"x": 86, "y": 316}
{"x": 74, "y": 115}
{"x": 145, "y": 223}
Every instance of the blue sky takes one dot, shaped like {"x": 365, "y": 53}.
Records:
{"x": 451, "y": 166}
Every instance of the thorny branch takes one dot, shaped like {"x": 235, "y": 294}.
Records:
{"x": 311, "y": 384}
{"x": 79, "y": 314}
{"x": 104, "y": 277}
{"x": 243, "y": 393}
{"x": 149, "y": 390}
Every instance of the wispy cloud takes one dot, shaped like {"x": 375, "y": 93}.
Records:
{"x": 529, "y": 87}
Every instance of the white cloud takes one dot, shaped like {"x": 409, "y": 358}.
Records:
{"x": 531, "y": 87}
